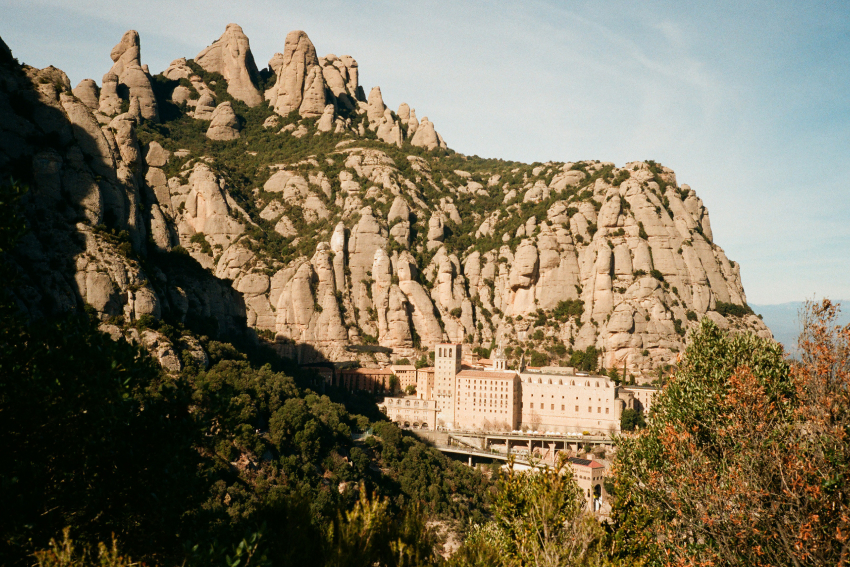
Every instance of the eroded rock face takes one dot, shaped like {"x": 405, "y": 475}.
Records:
{"x": 128, "y": 69}
{"x": 638, "y": 256}
{"x": 231, "y": 57}
{"x": 426, "y": 136}
{"x": 299, "y": 78}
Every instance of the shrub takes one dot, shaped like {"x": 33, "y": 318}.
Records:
{"x": 727, "y": 309}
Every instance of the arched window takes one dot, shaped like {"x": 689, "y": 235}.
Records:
{"x": 560, "y": 382}
{"x": 540, "y": 380}
{"x": 408, "y": 403}
{"x": 597, "y": 383}
{"x": 572, "y": 382}
{"x": 550, "y": 380}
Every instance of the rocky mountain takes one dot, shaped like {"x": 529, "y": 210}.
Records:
{"x": 216, "y": 195}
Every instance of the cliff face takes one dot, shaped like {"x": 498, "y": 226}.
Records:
{"x": 323, "y": 218}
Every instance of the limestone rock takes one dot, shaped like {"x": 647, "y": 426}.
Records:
{"x": 231, "y": 57}
{"x": 88, "y": 93}
{"x": 326, "y": 122}
{"x": 207, "y": 209}
{"x": 128, "y": 69}
{"x": 299, "y": 78}
{"x": 224, "y": 124}
{"x": 205, "y": 108}
{"x": 156, "y": 155}
{"x": 426, "y": 136}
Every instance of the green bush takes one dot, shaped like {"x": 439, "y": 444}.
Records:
{"x": 731, "y": 309}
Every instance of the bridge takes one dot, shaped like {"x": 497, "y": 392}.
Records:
{"x": 522, "y": 447}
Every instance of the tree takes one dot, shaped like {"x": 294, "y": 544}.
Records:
{"x": 745, "y": 458}
{"x": 631, "y": 419}
{"x": 410, "y": 390}
{"x": 539, "y": 518}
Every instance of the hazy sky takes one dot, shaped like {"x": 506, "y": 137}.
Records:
{"x": 749, "y": 102}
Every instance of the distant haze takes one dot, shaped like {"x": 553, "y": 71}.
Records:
{"x": 784, "y": 321}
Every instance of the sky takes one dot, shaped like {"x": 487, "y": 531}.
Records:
{"x": 749, "y": 102}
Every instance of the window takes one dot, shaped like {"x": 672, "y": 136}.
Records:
{"x": 541, "y": 406}
{"x": 562, "y": 407}
{"x": 589, "y": 409}
{"x": 553, "y": 406}
{"x": 560, "y": 382}
{"x": 598, "y": 410}
{"x": 606, "y": 410}
{"x": 576, "y": 409}
{"x": 550, "y": 381}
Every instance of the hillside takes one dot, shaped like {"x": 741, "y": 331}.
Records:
{"x": 329, "y": 220}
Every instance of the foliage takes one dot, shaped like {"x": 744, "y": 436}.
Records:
{"x": 568, "y": 308}
{"x": 731, "y": 309}
{"x": 744, "y": 459}
{"x": 82, "y": 418}
{"x": 631, "y": 419}
{"x": 370, "y": 534}
{"x": 586, "y": 360}
{"x": 539, "y": 518}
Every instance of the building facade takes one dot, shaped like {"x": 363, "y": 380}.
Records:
{"x": 643, "y": 396}
{"x": 411, "y": 412}
{"x": 406, "y": 374}
{"x": 369, "y": 379}
{"x": 425, "y": 383}
{"x": 589, "y": 476}
{"x": 447, "y": 365}
{"x": 554, "y": 399}
{"x": 487, "y": 400}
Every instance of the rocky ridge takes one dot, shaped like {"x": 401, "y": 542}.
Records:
{"x": 321, "y": 218}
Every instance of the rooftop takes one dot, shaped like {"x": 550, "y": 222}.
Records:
{"x": 508, "y": 375}
{"x": 368, "y": 371}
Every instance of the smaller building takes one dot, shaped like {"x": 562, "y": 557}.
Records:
{"x": 643, "y": 396}
{"x": 406, "y": 375}
{"x": 369, "y": 379}
{"x": 425, "y": 383}
{"x": 589, "y": 475}
{"x": 411, "y": 412}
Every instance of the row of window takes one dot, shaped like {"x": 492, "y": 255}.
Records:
{"x": 563, "y": 408}
{"x": 572, "y": 382}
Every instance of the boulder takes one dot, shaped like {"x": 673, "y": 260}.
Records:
{"x": 225, "y": 123}
{"x": 426, "y": 136}
{"x": 88, "y": 93}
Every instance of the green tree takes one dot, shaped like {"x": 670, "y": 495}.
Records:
{"x": 744, "y": 458}
{"x": 631, "y": 419}
{"x": 539, "y": 518}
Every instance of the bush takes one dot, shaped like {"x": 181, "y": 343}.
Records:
{"x": 568, "y": 308}
{"x": 731, "y": 309}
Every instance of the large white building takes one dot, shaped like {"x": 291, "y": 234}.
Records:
{"x": 554, "y": 399}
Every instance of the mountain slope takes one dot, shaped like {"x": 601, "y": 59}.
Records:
{"x": 330, "y": 221}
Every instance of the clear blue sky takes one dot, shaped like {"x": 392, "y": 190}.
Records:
{"x": 749, "y": 102}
